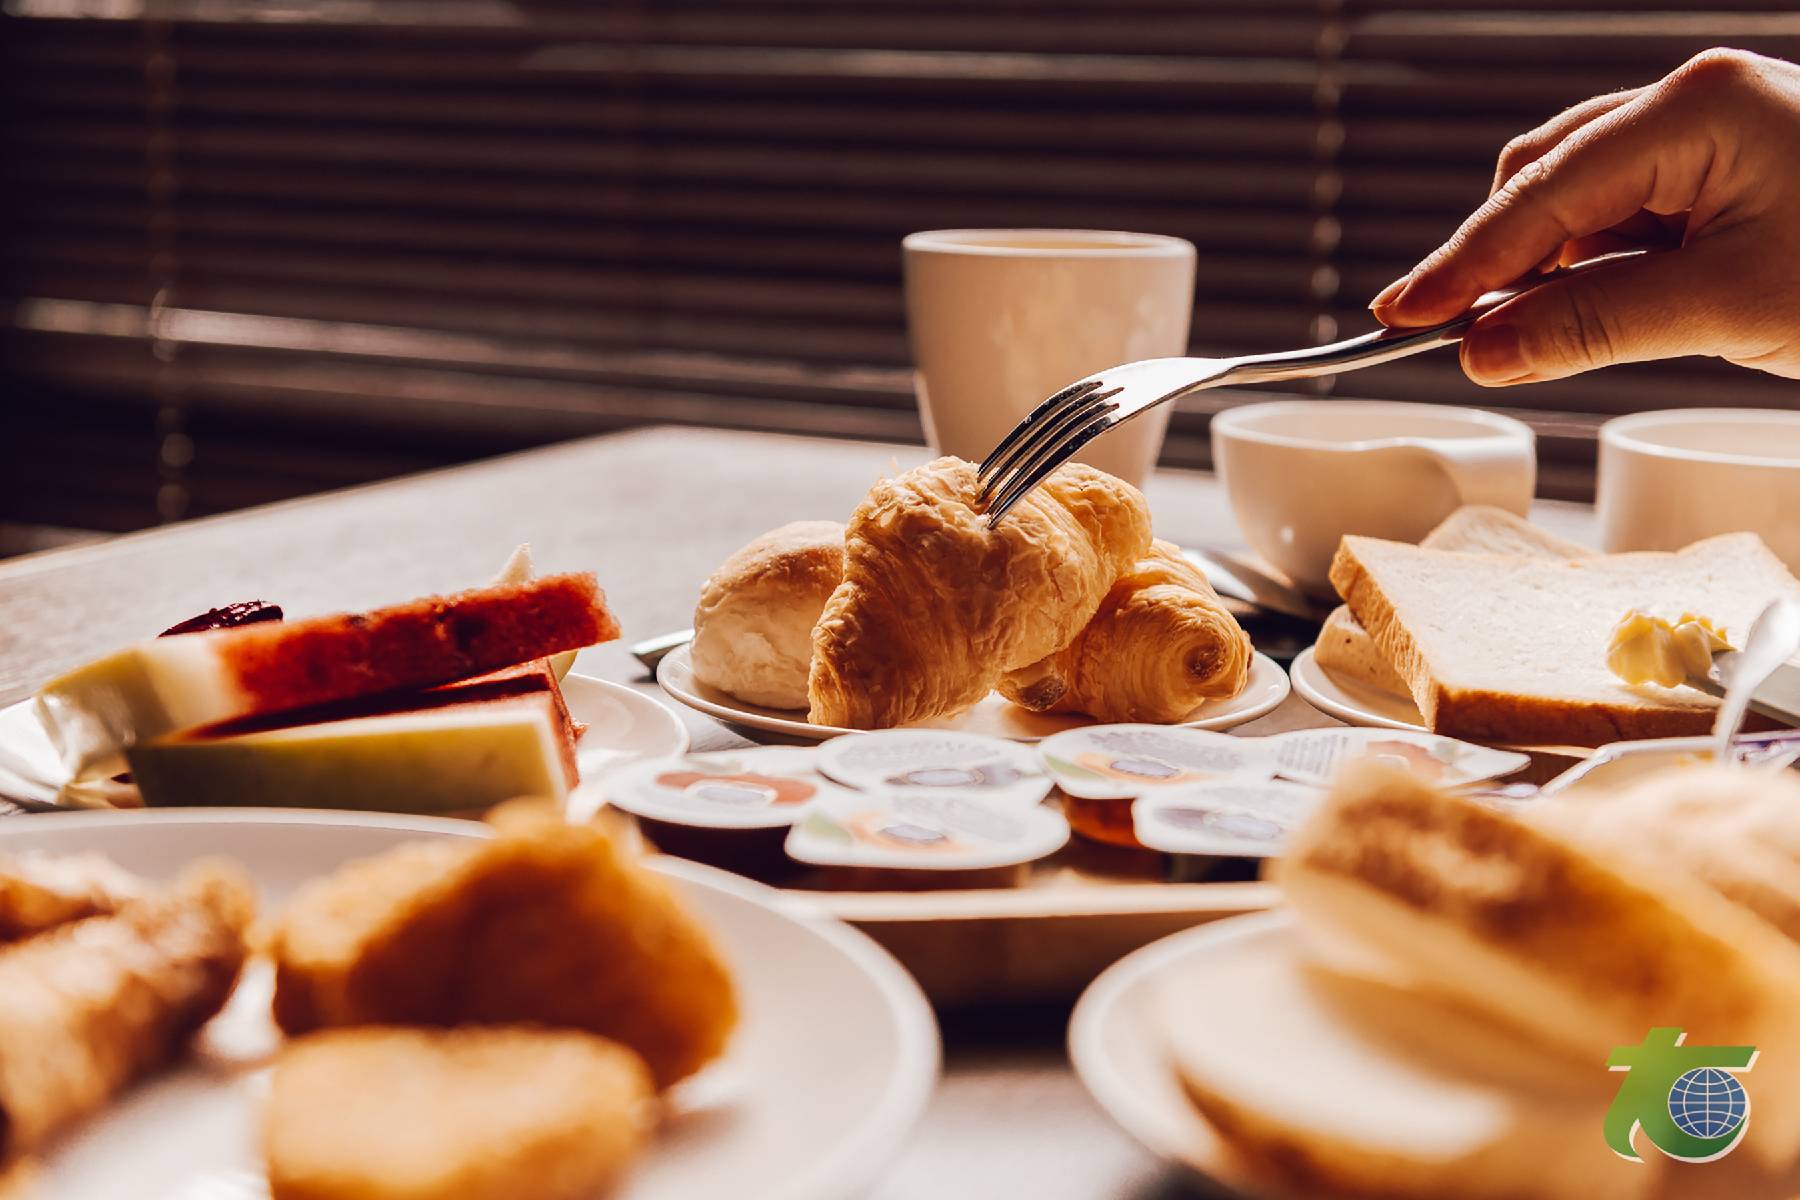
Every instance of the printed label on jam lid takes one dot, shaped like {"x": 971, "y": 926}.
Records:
{"x": 1248, "y": 819}
{"x": 935, "y": 760}
{"x": 1316, "y": 755}
{"x": 922, "y": 830}
{"x": 1107, "y": 762}
{"x": 757, "y": 788}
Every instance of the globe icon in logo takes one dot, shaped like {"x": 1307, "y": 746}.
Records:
{"x": 1708, "y": 1103}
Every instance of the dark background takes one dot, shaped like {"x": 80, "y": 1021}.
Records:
{"x": 256, "y": 250}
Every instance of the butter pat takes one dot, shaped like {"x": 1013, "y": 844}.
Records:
{"x": 447, "y": 760}
{"x": 1648, "y": 649}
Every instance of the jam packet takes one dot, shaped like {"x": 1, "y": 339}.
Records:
{"x": 761, "y": 787}
{"x": 1249, "y": 819}
{"x": 1115, "y": 762}
{"x": 918, "y": 829}
{"x": 933, "y": 760}
{"x": 1316, "y": 755}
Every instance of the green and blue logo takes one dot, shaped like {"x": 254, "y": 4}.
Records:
{"x": 1685, "y": 1099}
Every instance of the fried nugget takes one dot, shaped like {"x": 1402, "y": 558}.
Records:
{"x": 475, "y": 1113}
{"x": 40, "y": 891}
{"x": 18, "y": 1179}
{"x": 94, "y": 1004}
{"x": 545, "y": 923}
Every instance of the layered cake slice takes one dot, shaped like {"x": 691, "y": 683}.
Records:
{"x": 157, "y": 687}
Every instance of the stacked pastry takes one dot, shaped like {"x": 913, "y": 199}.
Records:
{"x": 920, "y": 607}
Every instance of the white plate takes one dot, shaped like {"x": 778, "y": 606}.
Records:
{"x": 1348, "y": 700}
{"x": 1117, "y": 1050}
{"x": 622, "y": 725}
{"x": 822, "y": 1083}
{"x": 1263, "y": 692}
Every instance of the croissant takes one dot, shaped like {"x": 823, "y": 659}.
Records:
{"x": 936, "y": 605}
{"x": 1161, "y": 643}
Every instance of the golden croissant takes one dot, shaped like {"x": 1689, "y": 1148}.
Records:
{"x": 1161, "y": 643}
{"x": 936, "y": 605}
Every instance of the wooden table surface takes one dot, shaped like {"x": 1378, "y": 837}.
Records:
{"x": 651, "y": 512}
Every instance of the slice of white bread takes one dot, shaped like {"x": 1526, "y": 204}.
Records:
{"x": 1735, "y": 829}
{"x": 1325, "y": 1085}
{"x": 1497, "y": 648}
{"x": 1345, "y": 648}
{"x": 1539, "y": 932}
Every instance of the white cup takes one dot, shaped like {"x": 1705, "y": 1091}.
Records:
{"x": 1000, "y": 319}
{"x": 1670, "y": 478}
{"x": 1303, "y": 473}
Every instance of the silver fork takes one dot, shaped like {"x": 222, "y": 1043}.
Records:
{"x": 1089, "y": 407}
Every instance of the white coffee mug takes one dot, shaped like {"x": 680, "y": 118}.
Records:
{"x": 1670, "y": 478}
{"x": 1301, "y": 474}
{"x": 1000, "y": 319}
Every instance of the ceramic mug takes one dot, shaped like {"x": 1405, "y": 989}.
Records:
{"x": 1301, "y": 474}
{"x": 1000, "y": 319}
{"x": 1670, "y": 478}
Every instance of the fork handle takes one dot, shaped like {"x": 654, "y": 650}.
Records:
{"x": 1385, "y": 345}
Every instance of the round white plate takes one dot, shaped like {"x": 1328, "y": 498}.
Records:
{"x": 622, "y": 725}
{"x": 831, "y": 1067}
{"x": 1348, "y": 700}
{"x": 1263, "y": 692}
{"x": 1117, "y": 1049}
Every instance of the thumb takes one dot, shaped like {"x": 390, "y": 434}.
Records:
{"x": 1659, "y": 306}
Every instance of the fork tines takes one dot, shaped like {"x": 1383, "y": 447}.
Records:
{"x": 1042, "y": 442}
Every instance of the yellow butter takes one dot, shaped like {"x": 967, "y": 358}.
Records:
{"x": 1646, "y": 648}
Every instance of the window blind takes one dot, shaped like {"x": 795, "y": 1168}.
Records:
{"x": 256, "y": 249}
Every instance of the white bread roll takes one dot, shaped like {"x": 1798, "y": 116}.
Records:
{"x": 753, "y": 625}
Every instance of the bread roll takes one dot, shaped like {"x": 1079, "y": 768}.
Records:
{"x": 753, "y": 625}
{"x": 1161, "y": 644}
{"x": 936, "y": 604}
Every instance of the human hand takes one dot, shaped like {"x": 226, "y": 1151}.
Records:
{"x": 1705, "y": 163}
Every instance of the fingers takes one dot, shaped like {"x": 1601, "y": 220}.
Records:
{"x": 1658, "y": 306}
{"x": 1656, "y": 151}
{"x": 1529, "y": 147}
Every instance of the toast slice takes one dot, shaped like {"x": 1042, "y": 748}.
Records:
{"x": 1497, "y": 648}
{"x": 163, "y": 685}
{"x": 1580, "y": 949}
{"x": 473, "y": 1113}
{"x": 1345, "y": 648}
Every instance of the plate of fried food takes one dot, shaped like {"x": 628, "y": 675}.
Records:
{"x": 920, "y": 612}
{"x": 435, "y": 705}
{"x": 1465, "y": 999}
{"x": 312, "y": 1005}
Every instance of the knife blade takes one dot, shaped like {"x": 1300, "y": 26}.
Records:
{"x": 1776, "y": 697}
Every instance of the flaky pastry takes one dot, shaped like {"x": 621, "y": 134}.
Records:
{"x": 1161, "y": 644}
{"x": 936, "y": 604}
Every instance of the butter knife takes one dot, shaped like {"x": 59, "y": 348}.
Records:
{"x": 1759, "y": 678}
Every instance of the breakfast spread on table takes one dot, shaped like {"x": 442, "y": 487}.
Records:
{"x": 1467, "y": 925}
{"x": 416, "y": 988}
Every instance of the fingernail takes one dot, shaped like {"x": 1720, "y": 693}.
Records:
{"x": 1386, "y": 295}
{"x": 1493, "y": 354}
